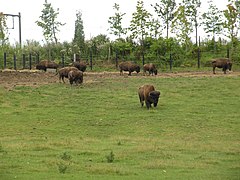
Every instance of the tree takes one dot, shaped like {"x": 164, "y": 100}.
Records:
{"x": 116, "y": 22}
{"x": 48, "y": 22}
{"x": 3, "y": 29}
{"x": 79, "y": 36}
{"x": 181, "y": 26}
{"x": 191, "y": 9}
{"x": 140, "y": 25}
{"x": 212, "y": 21}
{"x": 231, "y": 24}
{"x": 165, "y": 10}
{"x": 99, "y": 44}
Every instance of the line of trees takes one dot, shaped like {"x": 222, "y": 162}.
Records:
{"x": 143, "y": 39}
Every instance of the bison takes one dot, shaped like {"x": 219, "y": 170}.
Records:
{"x": 223, "y": 63}
{"x": 75, "y": 76}
{"x": 44, "y": 64}
{"x": 82, "y": 66}
{"x": 151, "y": 68}
{"x": 63, "y": 72}
{"x": 148, "y": 94}
{"x": 128, "y": 66}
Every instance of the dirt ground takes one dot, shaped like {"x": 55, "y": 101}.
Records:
{"x": 10, "y": 78}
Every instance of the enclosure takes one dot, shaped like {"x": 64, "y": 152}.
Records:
{"x": 99, "y": 130}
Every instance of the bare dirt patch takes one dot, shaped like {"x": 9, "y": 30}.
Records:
{"x": 10, "y": 78}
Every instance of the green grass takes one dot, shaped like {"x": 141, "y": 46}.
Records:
{"x": 61, "y": 132}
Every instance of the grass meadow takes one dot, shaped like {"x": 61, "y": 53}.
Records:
{"x": 99, "y": 130}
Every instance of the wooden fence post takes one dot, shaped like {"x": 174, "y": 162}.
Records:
{"x": 91, "y": 58}
{"x": 198, "y": 57}
{"x": 14, "y": 62}
{"x": 5, "y": 60}
{"x": 170, "y": 61}
{"x": 62, "y": 60}
{"x": 30, "y": 61}
{"x": 116, "y": 60}
{"x": 24, "y": 61}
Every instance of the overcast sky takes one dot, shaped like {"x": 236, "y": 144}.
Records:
{"x": 95, "y": 14}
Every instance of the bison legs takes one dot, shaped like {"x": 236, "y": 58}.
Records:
{"x": 148, "y": 104}
{"x": 214, "y": 70}
{"x": 61, "y": 78}
{"x": 141, "y": 99}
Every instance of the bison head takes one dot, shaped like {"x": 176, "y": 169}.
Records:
{"x": 137, "y": 69}
{"x": 155, "y": 71}
{"x": 153, "y": 97}
{"x": 229, "y": 66}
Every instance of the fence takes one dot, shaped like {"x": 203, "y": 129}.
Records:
{"x": 29, "y": 61}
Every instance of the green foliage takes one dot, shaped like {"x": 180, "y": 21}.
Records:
{"x": 181, "y": 26}
{"x": 65, "y": 156}
{"x": 110, "y": 157}
{"x": 140, "y": 22}
{"x": 79, "y": 36}
{"x": 100, "y": 46}
{"x": 212, "y": 20}
{"x": 62, "y": 168}
{"x": 231, "y": 24}
{"x": 165, "y": 10}
{"x": 3, "y": 29}
{"x": 116, "y": 22}
{"x": 48, "y": 22}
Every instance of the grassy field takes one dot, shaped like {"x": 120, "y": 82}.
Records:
{"x": 99, "y": 130}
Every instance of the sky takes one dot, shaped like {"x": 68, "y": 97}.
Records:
{"x": 95, "y": 15}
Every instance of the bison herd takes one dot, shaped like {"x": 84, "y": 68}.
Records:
{"x": 147, "y": 93}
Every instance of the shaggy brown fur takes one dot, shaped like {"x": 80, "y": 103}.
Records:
{"x": 148, "y": 94}
{"x": 223, "y": 63}
{"x": 44, "y": 64}
{"x": 75, "y": 76}
{"x": 151, "y": 68}
{"x": 82, "y": 66}
{"x": 128, "y": 66}
{"x": 63, "y": 72}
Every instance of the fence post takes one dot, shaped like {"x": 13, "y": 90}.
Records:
{"x": 170, "y": 61}
{"x": 5, "y": 60}
{"x": 14, "y": 62}
{"x": 37, "y": 60}
{"x": 62, "y": 60}
{"x": 198, "y": 57}
{"x": 24, "y": 61}
{"x": 30, "y": 61}
{"x": 116, "y": 60}
{"x": 143, "y": 58}
{"x": 91, "y": 57}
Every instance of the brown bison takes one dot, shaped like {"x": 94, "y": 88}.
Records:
{"x": 223, "y": 63}
{"x": 82, "y": 66}
{"x": 44, "y": 64}
{"x": 148, "y": 94}
{"x": 75, "y": 76}
{"x": 151, "y": 68}
{"x": 128, "y": 66}
{"x": 63, "y": 72}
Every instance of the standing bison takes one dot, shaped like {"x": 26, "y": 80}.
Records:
{"x": 148, "y": 94}
{"x": 151, "y": 68}
{"x": 223, "y": 63}
{"x": 82, "y": 66}
{"x": 75, "y": 76}
{"x": 63, "y": 72}
{"x": 128, "y": 66}
{"x": 44, "y": 64}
